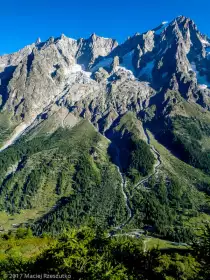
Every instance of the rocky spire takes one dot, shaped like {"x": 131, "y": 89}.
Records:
{"x": 38, "y": 41}
{"x": 93, "y": 36}
{"x": 115, "y": 63}
{"x": 63, "y": 36}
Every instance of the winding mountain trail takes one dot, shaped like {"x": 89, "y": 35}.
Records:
{"x": 137, "y": 233}
{"x": 123, "y": 186}
{"x": 157, "y": 164}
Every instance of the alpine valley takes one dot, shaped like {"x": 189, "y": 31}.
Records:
{"x": 111, "y": 138}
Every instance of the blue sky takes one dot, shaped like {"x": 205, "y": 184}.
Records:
{"x": 23, "y": 21}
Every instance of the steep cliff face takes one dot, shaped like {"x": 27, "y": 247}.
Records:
{"x": 98, "y": 79}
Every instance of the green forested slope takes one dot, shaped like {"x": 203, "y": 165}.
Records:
{"x": 69, "y": 172}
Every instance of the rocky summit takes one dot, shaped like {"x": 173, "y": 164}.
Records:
{"x": 99, "y": 79}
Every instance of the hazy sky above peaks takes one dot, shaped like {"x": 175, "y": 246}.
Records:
{"x": 22, "y": 22}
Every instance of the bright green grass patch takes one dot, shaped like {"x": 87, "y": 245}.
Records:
{"x": 28, "y": 216}
{"x": 153, "y": 243}
{"x": 26, "y": 248}
{"x": 130, "y": 123}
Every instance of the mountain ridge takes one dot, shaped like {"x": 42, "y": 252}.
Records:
{"x": 142, "y": 45}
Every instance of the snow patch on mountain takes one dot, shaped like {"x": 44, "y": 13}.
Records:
{"x": 203, "y": 86}
{"x": 129, "y": 73}
{"x": 77, "y": 74}
{"x": 76, "y": 68}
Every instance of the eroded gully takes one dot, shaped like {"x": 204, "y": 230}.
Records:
{"x": 130, "y": 211}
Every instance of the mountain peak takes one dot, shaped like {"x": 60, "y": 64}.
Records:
{"x": 186, "y": 21}
{"x": 38, "y": 41}
{"x": 63, "y": 36}
{"x": 93, "y": 36}
{"x": 182, "y": 18}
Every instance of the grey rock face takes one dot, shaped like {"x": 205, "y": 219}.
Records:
{"x": 15, "y": 58}
{"x": 94, "y": 47}
{"x": 98, "y": 79}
